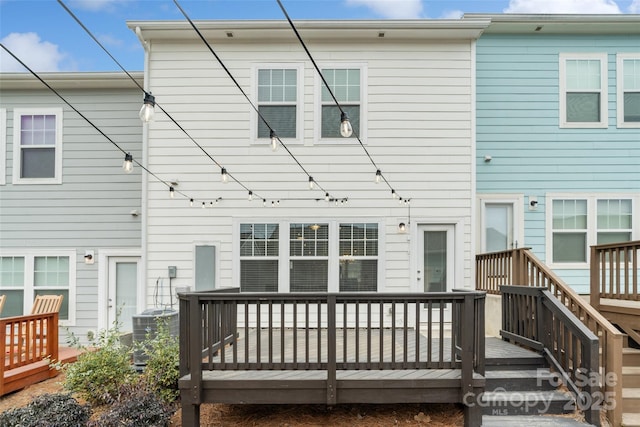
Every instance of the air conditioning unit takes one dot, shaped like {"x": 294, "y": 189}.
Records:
{"x": 146, "y": 324}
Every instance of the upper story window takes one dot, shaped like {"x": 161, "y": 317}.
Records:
{"x": 346, "y": 83}
{"x": 576, "y": 223}
{"x": 279, "y": 101}
{"x": 628, "y": 83}
{"x": 583, "y": 90}
{"x": 37, "y": 146}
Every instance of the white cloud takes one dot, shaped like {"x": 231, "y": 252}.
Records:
{"x": 96, "y": 5}
{"x": 36, "y": 54}
{"x": 634, "y": 7}
{"x": 452, "y": 14}
{"x": 563, "y": 6}
{"x": 393, "y": 9}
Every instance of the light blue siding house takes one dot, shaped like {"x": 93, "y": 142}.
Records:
{"x": 69, "y": 215}
{"x": 558, "y": 136}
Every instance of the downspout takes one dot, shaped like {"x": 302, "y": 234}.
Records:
{"x": 145, "y": 180}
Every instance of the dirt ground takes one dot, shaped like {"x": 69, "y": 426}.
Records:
{"x": 286, "y": 415}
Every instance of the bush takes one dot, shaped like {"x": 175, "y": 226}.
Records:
{"x": 48, "y": 410}
{"x": 138, "y": 406}
{"x": 162, "y": 370}
{"x": 101, "y": 370}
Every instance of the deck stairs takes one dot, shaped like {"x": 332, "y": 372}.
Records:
{"x": 631, "y": 387}
{"x": 522, "y": 391}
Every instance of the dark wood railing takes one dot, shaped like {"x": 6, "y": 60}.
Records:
{"x": 521, "y": 267}
{"x": 331, "y": 332}
{"x": 615, "y": 272}
{"x": 26, "y": 340}
{"x": 533, "y": 317}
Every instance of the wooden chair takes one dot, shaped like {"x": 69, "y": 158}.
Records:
{"x": 47, "y": 304}
{"x": 3, "y": 298}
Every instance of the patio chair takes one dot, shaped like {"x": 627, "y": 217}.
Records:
{"x": 47, "y": 304}
{"x": 3, "y": 298}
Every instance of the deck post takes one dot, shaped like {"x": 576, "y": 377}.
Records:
{"x": 472, "y": 412}
{"x": 331, "y": 349}
{"x": 192, "y": 397}
{"x": 594, "y": 279}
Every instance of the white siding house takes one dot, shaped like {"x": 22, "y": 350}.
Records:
{"x": 409, "y": 89}
{"x": 63, "y": 195}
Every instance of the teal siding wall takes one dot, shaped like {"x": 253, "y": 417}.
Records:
{"x": 518, "y": 125}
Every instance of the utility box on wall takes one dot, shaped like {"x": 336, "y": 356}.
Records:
{"x": 146, "y": 323}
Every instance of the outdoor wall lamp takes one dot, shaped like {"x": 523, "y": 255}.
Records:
{"x": 402, "y": 227}
{"x": 89, "y": 257}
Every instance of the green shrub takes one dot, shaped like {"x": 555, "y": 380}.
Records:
{"x": 162, "y": 370}
{"x": 101, "y": 370}
{"x": 48, "y": 410}
{"x": 138, "y": 406}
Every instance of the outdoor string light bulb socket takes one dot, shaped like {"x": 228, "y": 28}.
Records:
{"x": 147, "y": 110}
{"x": 345, "y": 125}
{"x": 127, "y": 166}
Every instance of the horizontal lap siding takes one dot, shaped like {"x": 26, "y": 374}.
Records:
{"x": 418, "y": 132}
{"x": 518, "y": 125}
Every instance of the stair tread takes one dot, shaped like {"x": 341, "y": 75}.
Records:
{"x": 630, "y": 350}
{"x": 552, "y": 394}
{"x": 631, "y": 392}
{"x": 529, "y": 420}
{"x": 630, "y": 420}
{"x": 631, "y": 370}
{"x": 518, "y": 373}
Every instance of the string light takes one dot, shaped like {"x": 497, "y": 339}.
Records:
{"x": 191, "y": 202}
{"x": 127, "y": 166}
{"x": 274, "y": 140}
{"x": 147, "y": 111}
{"x": 250, "y": 195}
{"x": 203, "y": 205}
{"x": 378, "y": 176}
{"x": 171, "y": 192}
{"x": 326, "y": 197}
{"x": 346, "y": 130}
{"x": 393, "y": 193}
{"x": 224, "y": 176}
{"x": 311, "y": 183}
{"x": 264, "y": 202}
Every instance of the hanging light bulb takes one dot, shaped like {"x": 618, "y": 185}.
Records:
{"x": 250, "y": 195}
{"x": 203, "y": 205}
{"x": 224, "y": 176}
{"x": 264, "y": 202}
{"x": 311, "y": 183}
{"x": 127, "y": 166}
{"x": 191, "y": 202}
{"x": 274, "y": 140}
{"x": 345, "y": 125}
{"x": 393, "y": 193}
{"x": 171, "y": 192}
{"x": 147, "y": 110}
{"x": 378, "y": 176}
{"x": 326, "y": 197}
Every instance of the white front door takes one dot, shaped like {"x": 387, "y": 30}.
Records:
{"x": 122, "y": 294}
{"x": 500, "y": 223}
{"x": 436, "y": 261}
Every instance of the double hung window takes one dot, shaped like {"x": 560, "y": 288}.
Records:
{"x": 583, "y": 90}
{"x": 279, "y": 101}
{"x": 628, "y": 83}
{"x": 259, "y": 256}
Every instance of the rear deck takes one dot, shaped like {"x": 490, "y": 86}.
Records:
{"x": 331, "y": 349}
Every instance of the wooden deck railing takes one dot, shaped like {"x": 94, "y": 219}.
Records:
{"x": 615, "y": 272}
{"x": 521, "y": 267}
{"x": 24, "y": 341}
{"x": 534, "y": 318}
{"x": 330, "y": 332}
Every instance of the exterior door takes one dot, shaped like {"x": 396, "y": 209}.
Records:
{"x": 500, "y": 225}
{"x": 122, "y": 300}
{"x": 436, "y": 265}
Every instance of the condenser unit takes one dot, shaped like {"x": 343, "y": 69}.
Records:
{"x": 145, "y": 325}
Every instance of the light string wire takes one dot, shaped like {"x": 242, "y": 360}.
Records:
{"x": 326, "y": 84}
{"x": 262, "y": 118}
{"x": 157, "y": 104}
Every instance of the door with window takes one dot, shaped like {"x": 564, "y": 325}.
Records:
{"x": 436, "y": 263}
{"x": 500, "y": 226}
{"x": 123, "y": 284}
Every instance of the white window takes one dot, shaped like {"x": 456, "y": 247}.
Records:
{"x": 329, "y": 256}
{"x": 583, "y": 90}
{"x": 279, "y": 101}
{"x": 23, "y": 276}
{"x": 576, "y": 222}
{"x": 347, "y": 84}
{"x": 3, "y": 146}
{"x": 37, "y": 146}
{"x": 628, "y": 82}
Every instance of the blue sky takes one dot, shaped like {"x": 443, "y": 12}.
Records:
{"x": 45, "y": 36}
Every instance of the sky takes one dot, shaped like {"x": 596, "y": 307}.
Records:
{"x": 46, "y": 38}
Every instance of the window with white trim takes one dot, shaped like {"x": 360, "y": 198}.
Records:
{"x": 345, "y": 84}
{"x": 278, "y": 100}
{"x": 37, "y": 146}
{"x": 330, "y": 256}
{"x": 24, "y": 276}
{"x": 3, "y": 146}
{"x": 259, "y": 256}
{"x": 628, "y": 83}
{"x": 576, "y": 223}
{"x": 358, "y": 257}
{"x": 583, "y": 90}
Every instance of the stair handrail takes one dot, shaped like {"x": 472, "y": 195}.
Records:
{"x": 615, "y": 272}
{"x": 522, "y": 268}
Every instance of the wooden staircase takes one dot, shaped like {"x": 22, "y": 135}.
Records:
{"x": 631, "y": 387}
